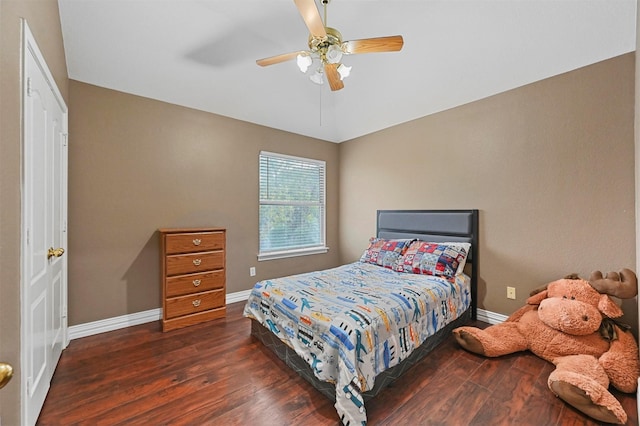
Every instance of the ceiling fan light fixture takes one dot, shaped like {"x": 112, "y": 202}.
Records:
{"x": 317, "y": 77}
{"x": 303, "y": 61}
{"x": 344, "y": 71}
{"x": 334, "y": 54}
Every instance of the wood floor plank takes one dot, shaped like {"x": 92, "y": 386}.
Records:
{"x": 216, "y": 374}
{"x": 462, "y": 406}
{"x": 541, "y": 411}
{"x": 494, "y": 413}
{"x": 491, "y": 371}
{"x": 428, "y": 400}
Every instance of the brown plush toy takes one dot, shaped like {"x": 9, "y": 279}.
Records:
{"x": 568, "y": 323}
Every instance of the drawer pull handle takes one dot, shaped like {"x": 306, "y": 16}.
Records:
{"x": 197, "y": 241}
{"x": 197, "y": 262}
{"x": 196, "y": 283}
{"x": 196, "y": 303}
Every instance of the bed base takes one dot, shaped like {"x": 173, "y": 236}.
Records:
{"x": 384, "y": 379}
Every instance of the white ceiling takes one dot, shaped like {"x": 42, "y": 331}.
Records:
{"x": 201, "y": 54}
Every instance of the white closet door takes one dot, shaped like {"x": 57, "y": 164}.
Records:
{"x": 44, "y": 237}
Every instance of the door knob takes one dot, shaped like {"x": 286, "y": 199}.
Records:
{"x": 55, "y": 252}
{"x": 6, "y": 372}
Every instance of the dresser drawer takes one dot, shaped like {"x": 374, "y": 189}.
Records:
{"x": 178, "y": 264}
{"x": 184, "y": 305}
{"x": 196, "y": 241}
{"x": 192, "y": 283}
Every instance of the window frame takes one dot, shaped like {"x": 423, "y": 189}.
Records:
{"x": 301, "y": 251}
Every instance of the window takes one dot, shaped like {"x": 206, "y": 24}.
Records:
{"x": 292, "y": 206}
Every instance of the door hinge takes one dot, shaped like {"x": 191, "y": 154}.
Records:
{"x": 27, "y": 236}
{"x": 28, "y": 86}
{"x": 65, "y": 140}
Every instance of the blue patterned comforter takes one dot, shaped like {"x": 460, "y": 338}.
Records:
{"x": 354, "y": 321}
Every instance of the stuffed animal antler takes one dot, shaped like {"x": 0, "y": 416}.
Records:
{"x": 623, "y": 285}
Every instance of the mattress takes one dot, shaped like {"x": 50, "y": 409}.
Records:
{"x": 355, "y": 321}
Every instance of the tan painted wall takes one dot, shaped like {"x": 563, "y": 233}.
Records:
{"x": 44, "y": 21}
{"x": 549, "y": 165}
{"x": 137, "y": 165}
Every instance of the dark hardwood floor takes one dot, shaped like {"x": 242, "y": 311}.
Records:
{"x": 217, "y": 374}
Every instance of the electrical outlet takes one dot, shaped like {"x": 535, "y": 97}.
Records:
{"x": 252, "y": 271}
{"x": 511, "y": 292}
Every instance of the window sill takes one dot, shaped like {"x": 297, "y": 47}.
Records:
{"x": 291, "y": 253}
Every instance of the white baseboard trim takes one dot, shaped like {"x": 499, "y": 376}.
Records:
{"x": 129, "y": 320}
{"x": 491, "y": 317}
{"x": 239, "y": 296}
{"x": 115, "y": 323}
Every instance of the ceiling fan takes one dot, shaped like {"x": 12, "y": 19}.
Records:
{"x": 326, "y": 47}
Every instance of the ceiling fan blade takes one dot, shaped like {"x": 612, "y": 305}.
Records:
{"x": 311, "y": 17}
{"x": 333, "y": 76}
{"x": 372, "y": 45}
{"x": 280, "y": 58}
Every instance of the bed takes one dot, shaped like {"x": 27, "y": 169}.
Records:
{"x": 352, "y": 330}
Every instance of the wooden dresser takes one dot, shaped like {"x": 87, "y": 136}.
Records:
{"x": 193, "y": 275}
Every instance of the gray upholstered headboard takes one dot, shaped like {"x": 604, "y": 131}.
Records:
{"x": 436, "y": 226}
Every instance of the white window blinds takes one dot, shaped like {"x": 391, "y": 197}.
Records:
{"x": 292, "y": 205}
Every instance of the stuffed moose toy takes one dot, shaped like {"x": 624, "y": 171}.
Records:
{"x": 569, "y": 323}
